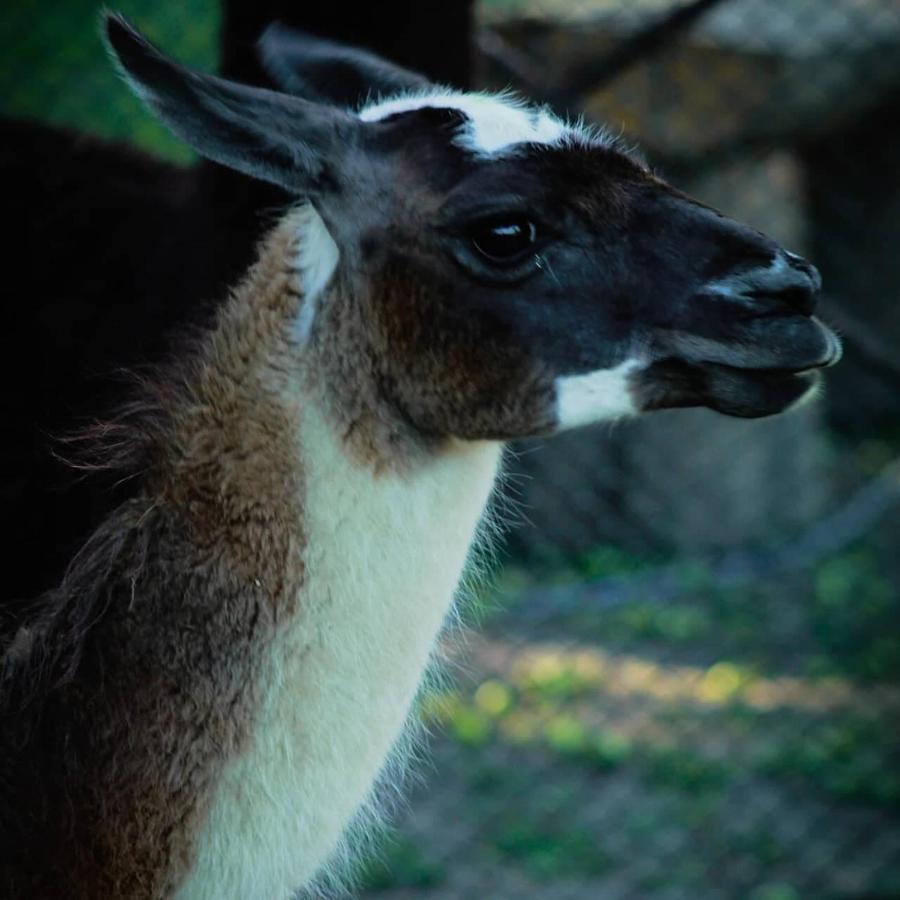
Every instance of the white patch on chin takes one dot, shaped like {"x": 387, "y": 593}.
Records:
{"x": 595, "y": 396}
{"x": 316, "y": 261}
{"x": 495, "y": 121}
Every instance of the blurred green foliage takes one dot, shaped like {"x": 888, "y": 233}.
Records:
{"x": 843, "y": 617}
{"x": 796, "y": 677}
{"x": 855, "y": 611}
{"x": 854, "y": 760}
{"x": 549, "y": 850}
{"x": 55, "y": 68}
{"x": 399, "y": 863}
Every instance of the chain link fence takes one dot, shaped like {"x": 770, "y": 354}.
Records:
{"x": 683, "y": 680}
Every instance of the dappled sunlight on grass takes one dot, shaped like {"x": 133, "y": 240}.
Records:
{"x": 558, "y": 670}
{"x": 680, "y": 726}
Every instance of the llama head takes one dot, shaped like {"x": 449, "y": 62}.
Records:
{"x": 487, "y": 270}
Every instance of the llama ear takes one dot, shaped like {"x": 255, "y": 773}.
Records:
{"x": 285, "y": 140}
{"x": 315, "y": 68}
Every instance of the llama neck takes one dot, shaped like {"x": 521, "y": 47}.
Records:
{"x": 262, "y": 614}
{"x": 230, "y": 464}
{"x": 382, "y": 559}
{"x": 366, "y": 569}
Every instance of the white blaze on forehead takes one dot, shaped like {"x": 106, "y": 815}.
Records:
{"x": 495, "y": 121}
{"x": 595, "y": 396}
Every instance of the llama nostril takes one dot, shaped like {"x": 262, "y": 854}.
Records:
{"x": 803, "y": 299}
{"x": 799, "y": 264}
{"x": 795, "y": 282}
{"x": 788, "y": 284}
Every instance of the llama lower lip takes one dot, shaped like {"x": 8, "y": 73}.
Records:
{"x": 733, "y": 391}
{"x": 835, "y": 347}
{"x": 789, "y": 343}
{"x": 748, "y": 393}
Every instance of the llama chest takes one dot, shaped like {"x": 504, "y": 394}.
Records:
{"x": 383, "y": 559}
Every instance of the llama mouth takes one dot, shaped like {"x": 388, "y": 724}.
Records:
{"x": 831, "y": 352}
{"x": 770, "y": 366}
{"x": 742, "y": 392}
{"x": 786, "y": 344}
{"x": 753, "y": 393}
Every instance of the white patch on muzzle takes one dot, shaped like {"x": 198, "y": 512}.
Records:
{"x": 596, "y": 396}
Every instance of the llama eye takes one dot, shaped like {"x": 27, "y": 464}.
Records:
{"x": 504, "y": 240}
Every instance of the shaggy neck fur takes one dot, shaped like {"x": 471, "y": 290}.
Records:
{"x": 382, "y": 561}
{"x": 202, "y": 708}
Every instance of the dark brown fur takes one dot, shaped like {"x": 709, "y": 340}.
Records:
{"x": 404, "y": 371}
{"x": 133, "y": 684}
{"x": 473, "y": 381}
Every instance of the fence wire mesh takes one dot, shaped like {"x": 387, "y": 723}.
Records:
{"x": 684, "y": 678}
{"x": 685, "y": 683}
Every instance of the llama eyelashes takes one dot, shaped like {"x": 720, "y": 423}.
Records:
{"x": 542, "y": 263}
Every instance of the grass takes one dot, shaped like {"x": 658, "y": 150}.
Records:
{"x": 676, "y": 767}
{"x": 647, "y": 621}
{"x": 546, "y": 851}
{"x": 552, "y": 722}
{"x": 788, "y": 690}
{"x": 844, "y": 618}
{"x": 855, "y": 610}
{"x": 400, "y": 863}
{"x": 775, "y": 891}
{"x": 854, "y": 761}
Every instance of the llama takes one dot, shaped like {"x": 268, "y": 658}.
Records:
{"x": 202, "y": 707}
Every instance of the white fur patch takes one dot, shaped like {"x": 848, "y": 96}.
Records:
{"x": 496, "y": 122}
{"x": 317, "y": 260}
{"x": 595, "y": 396}
{"x": 383, "y": 559}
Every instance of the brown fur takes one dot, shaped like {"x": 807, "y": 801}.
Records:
{"x": 136, "y": 680}
{"x": 134, "y": 683}
{"x": 468, "y": 383}
{"x": 393, "y": 399}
